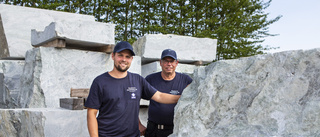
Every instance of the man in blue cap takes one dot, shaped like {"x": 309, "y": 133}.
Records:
{"x": 160, "y": 116}
{"x": 116, "y": 95}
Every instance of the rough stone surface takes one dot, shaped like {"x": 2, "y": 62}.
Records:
{"x": 189, "y": 49}
{"x": 43, "y": 122}
{"x": 85, "y": 33}
{"x": 50, "y": 73}
{"x": 265, "y": 95}
{"x": 155, "y": 67}
{"x": 4, "y": 52}
{"x": 10, "y": 72}
{"x": 18, "y": 21}
{"x": 143, "y": 115}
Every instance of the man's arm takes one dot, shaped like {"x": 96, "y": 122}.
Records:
{"x": 165, "y": 98}
{"x": 92, "y": 122}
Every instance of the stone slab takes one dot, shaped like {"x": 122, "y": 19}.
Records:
{"x": 155, "y": 67}
{"x": 265, "y": 95}
{"x": 17, "y": 22}
{"x": 50, "y": 73}
{"x": 10, "y": 73}
{"x": 43, "y": 122}
{"x": 79, "y": 92}
{"x": 48, "y": 122}
{"x": 189, "y": 49}
{"x": 84, "y": 33}
{"x": 72, "y": 103}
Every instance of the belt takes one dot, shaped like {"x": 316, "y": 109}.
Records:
{"x": 166, "y": 127}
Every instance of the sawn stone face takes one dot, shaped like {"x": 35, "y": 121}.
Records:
{"x": 50, "y": 73}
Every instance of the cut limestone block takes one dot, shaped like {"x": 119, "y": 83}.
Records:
{"x": 188, "y": 49}
{"x": 72, "y": 103}
{"x": 155, "y": 67}
{"x": 17, "y": 22}
{"x": 43, "y": 122}
{"x": 50, "y": 73}
{"x": 48, "y": 122}
{"x": 77, "y": 34}
{"x": 10, "y": 73}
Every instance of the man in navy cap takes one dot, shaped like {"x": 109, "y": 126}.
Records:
{"x": 116, "y": 95}
{"x": 160, "y": 116}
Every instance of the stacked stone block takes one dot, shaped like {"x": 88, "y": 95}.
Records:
{"x": 34, "y": 84}
{"x": 46, "y": 53}
{"x": 17, "y": 22}
{"x": 192, "y": 53}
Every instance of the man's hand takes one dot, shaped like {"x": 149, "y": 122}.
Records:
{"x": 142, "y": 129}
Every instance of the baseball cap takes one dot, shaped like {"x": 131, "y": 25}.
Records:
{"x": 123, "y": 45}
{"x": 169, "y": 53}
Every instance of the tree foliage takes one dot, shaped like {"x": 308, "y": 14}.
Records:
{"x": 240, "y": 26}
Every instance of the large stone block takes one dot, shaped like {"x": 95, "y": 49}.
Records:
{"x": 189, "y": 49}
{"x": 155, "y": 67}
{"x": 17, "y": 22}
{"x": 10, "y": 73}
{"x": 84, "y": 33}
{"x": 50, "y": 73}
{"x": 264, "y": 95}
{"x": 43, "y": 123}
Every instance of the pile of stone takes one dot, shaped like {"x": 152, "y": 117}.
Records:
{"x": 45, "y": 54}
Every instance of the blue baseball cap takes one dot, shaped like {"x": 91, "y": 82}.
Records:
{"x": 169, "y": 53}
{"x": 123, "y": 45}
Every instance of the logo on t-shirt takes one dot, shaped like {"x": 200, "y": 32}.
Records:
{"x": 174, "y": 92}
{"x": 133, "y": 96}
{"x": 132, "y": 89}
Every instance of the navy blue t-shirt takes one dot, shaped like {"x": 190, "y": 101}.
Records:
{"x": 163, "y": 113}
{"x": 118, "y": 102}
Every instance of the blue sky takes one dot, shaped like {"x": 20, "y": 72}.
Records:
{"x": 299, "y": 27}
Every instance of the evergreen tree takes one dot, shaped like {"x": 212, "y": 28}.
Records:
{"x": 240, "y": 26}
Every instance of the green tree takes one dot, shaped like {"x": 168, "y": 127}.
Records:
{"x": 240, "y": 26}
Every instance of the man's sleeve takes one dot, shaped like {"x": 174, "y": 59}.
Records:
{"x": 93, "y": 100}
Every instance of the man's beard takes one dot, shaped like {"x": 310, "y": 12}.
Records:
{"x": 120, "y": 69}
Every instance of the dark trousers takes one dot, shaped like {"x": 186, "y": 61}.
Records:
{"x": 153, "y": 130}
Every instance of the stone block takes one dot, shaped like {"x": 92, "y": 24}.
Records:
{"x": 144, "y": 103}
{"x": 143, "y": 115}
{"x": 155, "y": 67}
{"x": 43, "y": 123}
{"x": 72, "y": 103}
{"x": 84, "y": 33}
{"x": 10, "y": 73}
{"x": 48, "y": 122}
{"x": 79, "y": 92}
{"x": 265, "y": 95}
{"x": 17, "y": 22}
{"x": 189, "y": 49}
{"x": 50, "y": 73}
